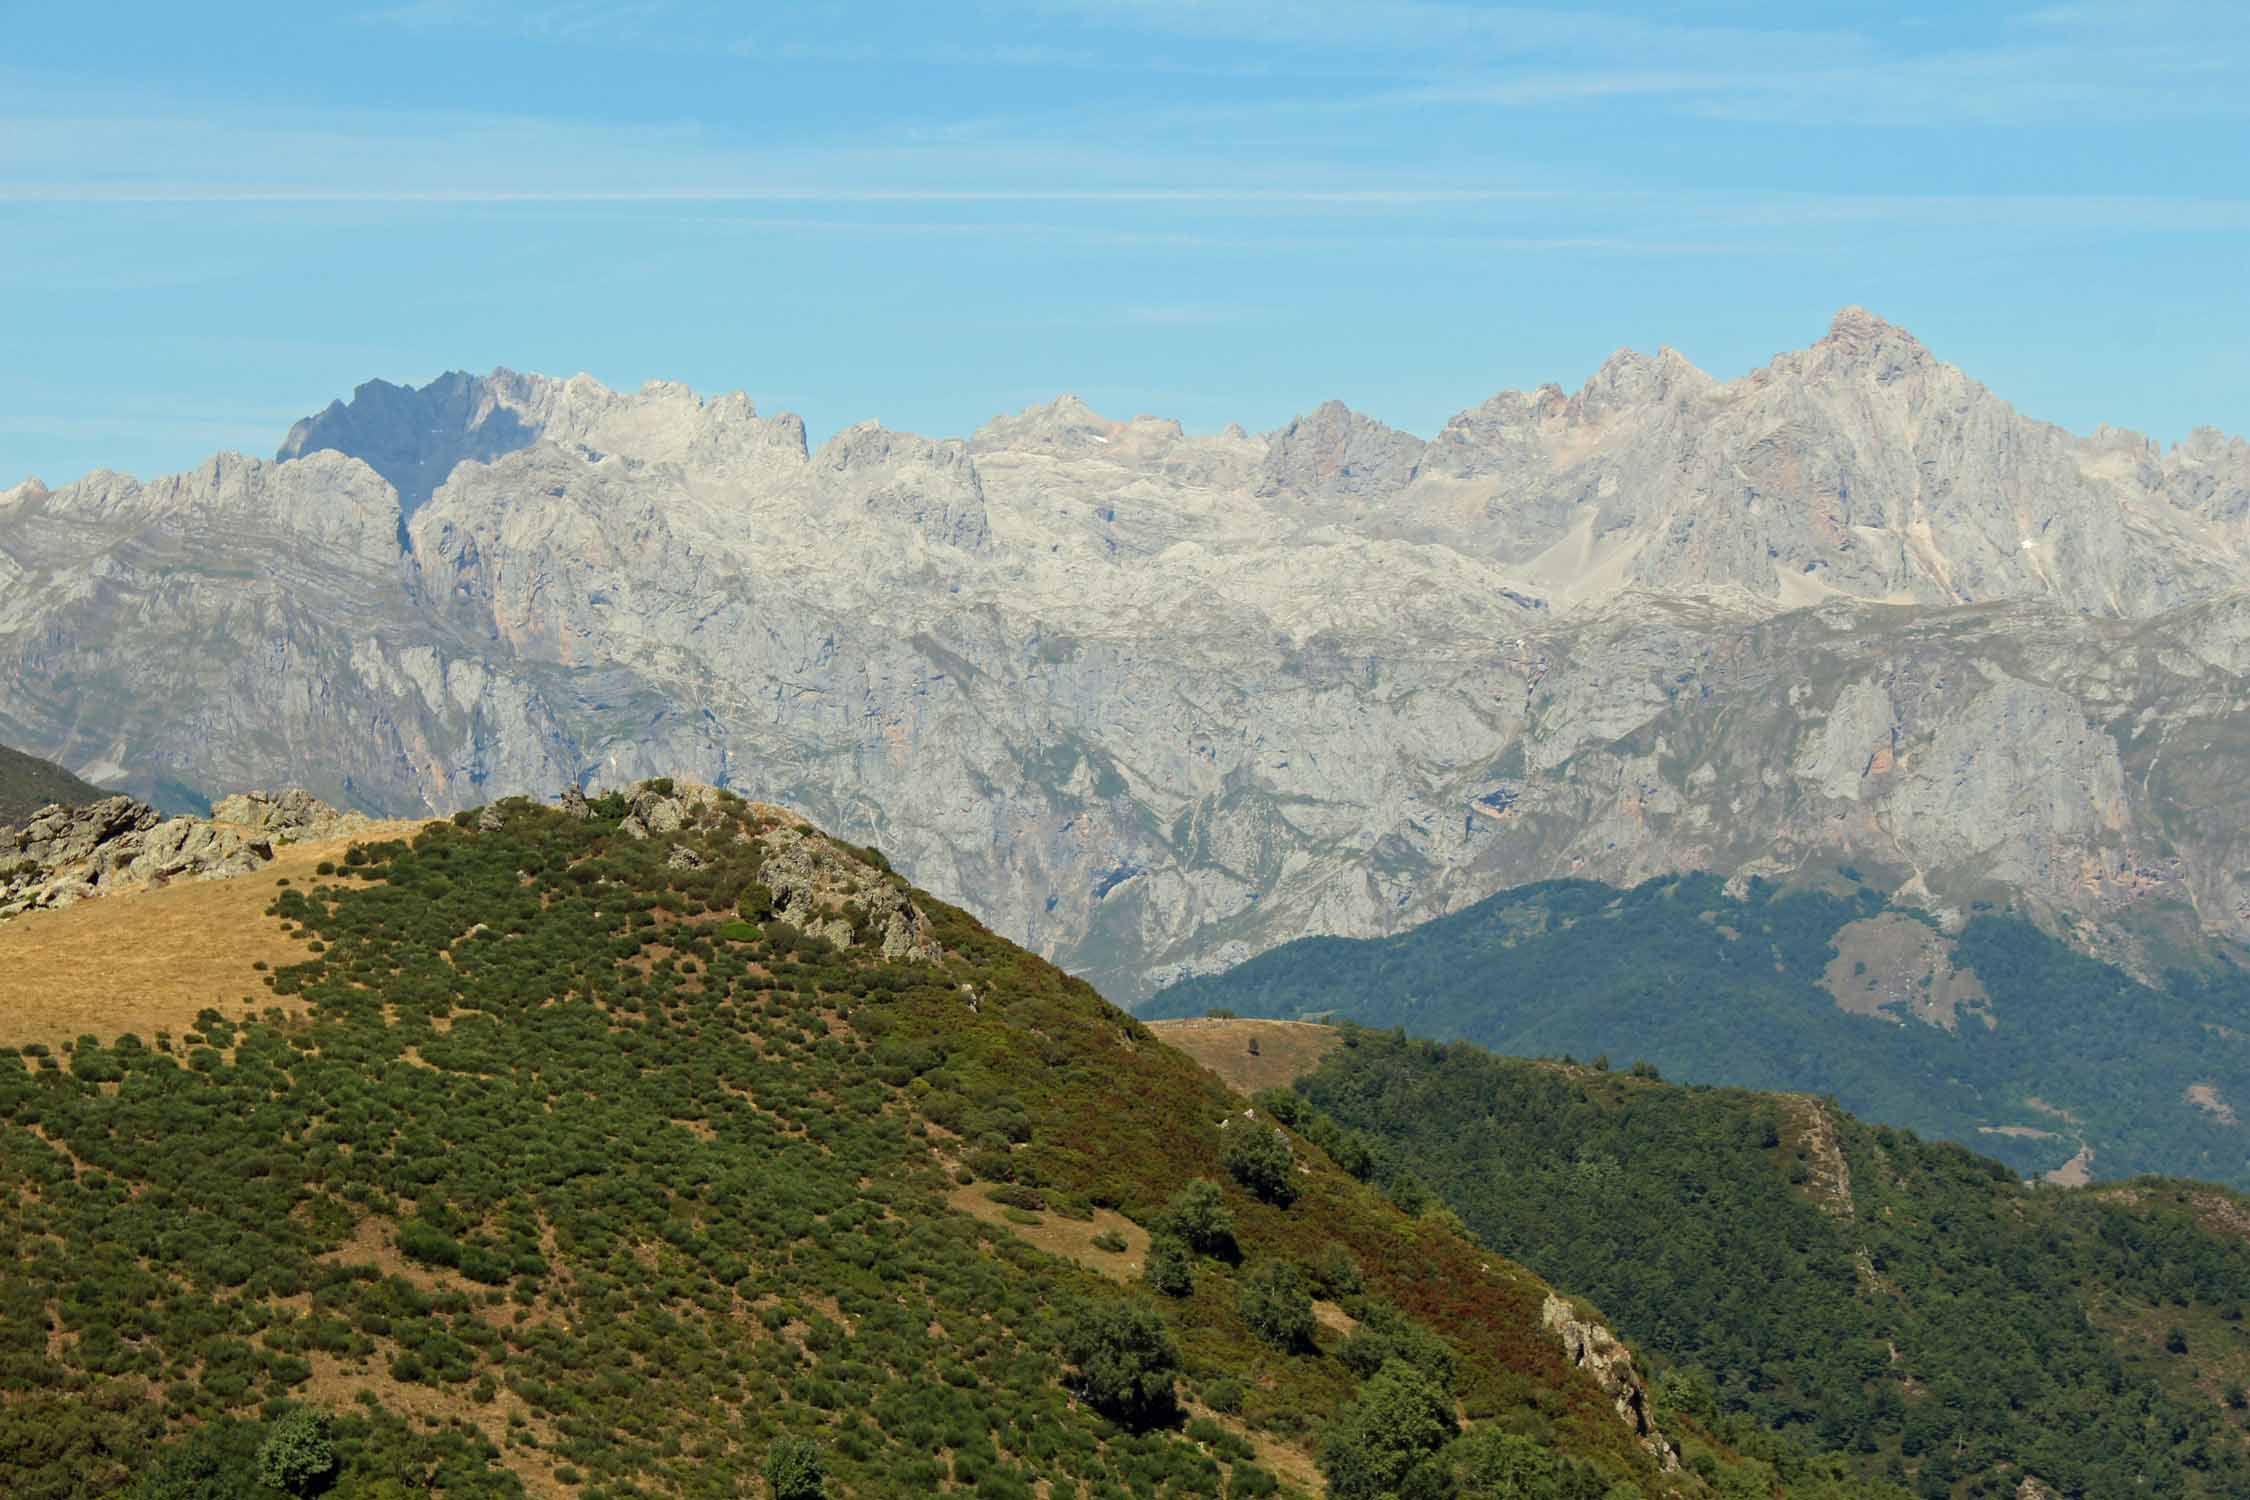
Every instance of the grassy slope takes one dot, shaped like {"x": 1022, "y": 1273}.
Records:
{"x": 28, "y": 783}
{"x": 1905, "y": 1300}
{"x": 1728, "y": 990}
{"x": 560, "y": 1181}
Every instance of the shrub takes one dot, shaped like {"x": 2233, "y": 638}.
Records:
{"x": 793, "y": 1469}
{"x": 1386, "y": 1443}
{"x": 1385, "y": 1334}
{"x": 1258, "y": 1157}
{"x": 1125, "y": 1360}
{"x": 1273, "y": 1301}
{"x": 1168, "y": 1269}
{"x": 1335, "y": 1274}
{"x": 1197, "y": 1217}
{"x": 298, "y": 1454}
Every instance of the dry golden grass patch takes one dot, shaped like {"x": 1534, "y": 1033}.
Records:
{"x": 1287, "y": 1050}
{"x": 1293, "y": 1466}
{"x": 1072, "y": 1239}
{"x": 337, "y": 1382}
{"x": 148, "y": 960}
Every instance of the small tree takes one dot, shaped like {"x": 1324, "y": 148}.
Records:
{"x": 1258, "y": 1157}
{"x": 1273, "y": 1301}
{"x": 1197, "y": 1216}
{"x": 1386, "y": 1443}
{"x": 1168, "y": 1269}
{"x": 298, "y": 1454}
{"x": 793, "y": 1469}
{"x": 1125, "y": 1358}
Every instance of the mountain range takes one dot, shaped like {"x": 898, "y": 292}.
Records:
{"x": 1156, "y": 702}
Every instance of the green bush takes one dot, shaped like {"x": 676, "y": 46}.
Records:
{"x": 1385, "y": 1445}
{"x": 1125, "y": 1360}
{"x": 1258, "y": 1157}
{"x": 1273, "y": 1300}
{"x": 1198, "y": 1218}
{"x": 794, "y": 1470}
{"x": 298, "y": 1454}
{"x": 1169, "y": 1268}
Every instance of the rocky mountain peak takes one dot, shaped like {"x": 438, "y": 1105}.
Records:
{"x": 1859, "y": 342}
{"x": 415, "y": 437}
{"x": 1334, "y": 453}
{"x": 1063, "y": 425}
{"x": 1629, "y": 378}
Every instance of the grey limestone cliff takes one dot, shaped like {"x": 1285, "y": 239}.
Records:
{"x": 1152, "y": 701}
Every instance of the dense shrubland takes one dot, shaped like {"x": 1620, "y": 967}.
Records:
{"x": 1953, "y": 1329}
{"x": 580, "y": 1162}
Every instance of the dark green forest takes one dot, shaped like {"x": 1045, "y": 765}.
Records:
{"x": 579, "y": 1165}
{"x": 28, "y": 783}
{"x": 1903, "y": 1301}
{"x": 1716, "y": 989}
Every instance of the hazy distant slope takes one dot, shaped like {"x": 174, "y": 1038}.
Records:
{"x": 1997, "y": 1036}
{"x": 28, "y": 783}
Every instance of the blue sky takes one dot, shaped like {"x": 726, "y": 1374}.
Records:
{"x": 213, "y": 219}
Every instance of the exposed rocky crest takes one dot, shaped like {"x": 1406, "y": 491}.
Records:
{"x": 1600, "y": 1353}
{"x": 815, "y": 886}
{"x": 1157, "y": 701}
{"x": 64, "y": 855}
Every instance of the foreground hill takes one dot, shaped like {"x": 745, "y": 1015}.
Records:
{"x": 1909, "y": 1303}
{"x": 28, "y": 784}
{"x": 1153, "y": 701}
{"x": 663, "y": 1146}
{"x": 1992, "y": 1033}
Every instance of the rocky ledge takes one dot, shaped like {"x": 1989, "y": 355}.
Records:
{"x": 67, "y": 854}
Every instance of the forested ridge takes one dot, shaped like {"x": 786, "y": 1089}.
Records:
{"x": 579, "y": 1171}
{"x": 28, "y": 783}
{"x": 1715, "y": 988}
{"x": 1904, "y": 1301}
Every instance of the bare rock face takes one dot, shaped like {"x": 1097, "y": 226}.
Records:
{"x": 1335, "y": 453}
{"x": 1154, "y": 701}
{"x": 67, "y": 854}
{"x": 820, "y": 889}
{"x": 1594, "y": 1349}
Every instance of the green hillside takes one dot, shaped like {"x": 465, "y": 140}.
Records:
{"x": 581, "y": 1172}
{"x": 1908, "y": 1303}
{"x": 2048, "y": 1052}
{"x": 28, "y": 783}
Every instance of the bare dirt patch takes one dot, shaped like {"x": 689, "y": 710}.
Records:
{"x": 1287, "y": 1050}
{"x": 2206, "y": 1097}
{"x": 2076, "y": 1172}
{"x": 1893, "y": 966}
{"x": 148, "y": 960}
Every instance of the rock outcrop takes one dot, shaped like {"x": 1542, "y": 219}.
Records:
{"x": 840, "y": 895}
{"x": 68, "y": 854}
{"x": 1154, "y": 702}
{"x": 1593, "y": 1348}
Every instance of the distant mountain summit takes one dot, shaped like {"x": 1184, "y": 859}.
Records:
{"x": 1156, "y": 701}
